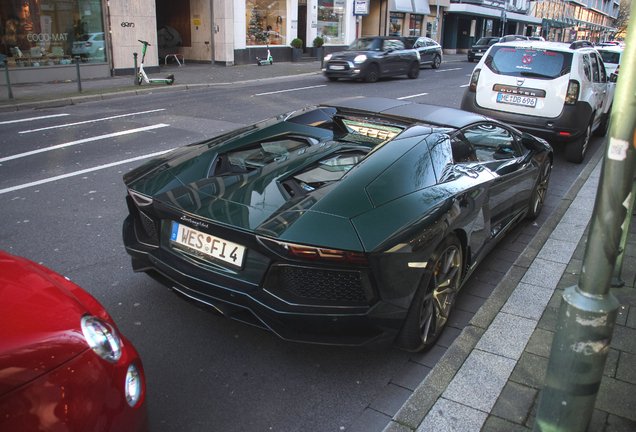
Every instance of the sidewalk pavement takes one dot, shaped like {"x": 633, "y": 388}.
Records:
{"x": 490, "y": 378}
{"x": 190, "y": 76}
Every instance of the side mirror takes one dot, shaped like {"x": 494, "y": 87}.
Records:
{"x": 613, "y": 78}
{"x": 532, "y": 143}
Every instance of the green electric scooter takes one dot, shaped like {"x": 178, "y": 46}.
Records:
{"x": 141, "y": 75}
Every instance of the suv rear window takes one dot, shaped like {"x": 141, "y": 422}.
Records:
{"x": 535, "y": 63}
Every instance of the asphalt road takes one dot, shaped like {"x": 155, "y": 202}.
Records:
{"x": 62, "y": 204}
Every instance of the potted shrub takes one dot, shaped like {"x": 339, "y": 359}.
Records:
{"x": 317, "y": 50}
{"x": 297, "y": 49}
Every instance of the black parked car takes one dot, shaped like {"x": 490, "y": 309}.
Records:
{"x": 430, "y": 51}
{"x": 478, "y": 50}
{"x": 371, "y": 58}
{"x": 353, "y": 223}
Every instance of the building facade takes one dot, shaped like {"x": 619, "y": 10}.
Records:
{"x": 42, "y": 38}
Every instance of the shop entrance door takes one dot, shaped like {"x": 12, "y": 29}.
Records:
{"x": 302, "y": 23}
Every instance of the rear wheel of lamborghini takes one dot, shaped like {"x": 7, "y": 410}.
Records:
{"x": 540, "y": 191}
{"x": 434, "y": 300}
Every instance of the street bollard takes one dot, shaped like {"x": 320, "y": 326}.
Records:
{"x": 588, "y": 311}
{"x": 6, "y": 72}
{"x": 79, "y": 79}
{"x": 136, "y": 71}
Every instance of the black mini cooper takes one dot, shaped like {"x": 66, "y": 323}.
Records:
{"x": 371, "y": 58}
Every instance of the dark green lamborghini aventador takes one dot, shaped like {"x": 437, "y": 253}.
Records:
{"x": 352, "y": 223}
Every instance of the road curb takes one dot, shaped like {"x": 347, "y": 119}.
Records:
{"x": 417, "y": 407}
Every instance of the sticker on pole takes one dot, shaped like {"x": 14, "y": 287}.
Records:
{"x": 617, "y": 149}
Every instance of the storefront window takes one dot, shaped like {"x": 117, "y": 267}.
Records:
{"x": 415, "y": 28}
{"x": 397, "y": 23}
{"x": 266, "y": 22}
{"x": 51, "y": 32}
{"x": 331, "y": 15}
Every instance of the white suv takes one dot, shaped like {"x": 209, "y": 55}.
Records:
{"x": 557, "y": 91}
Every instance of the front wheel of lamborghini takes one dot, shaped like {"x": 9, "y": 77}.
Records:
{"x": 434, "y": 300}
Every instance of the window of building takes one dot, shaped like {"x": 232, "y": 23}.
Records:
{"x": 266, "y": 22}
{"x": 415, "y": 27}
{"x": 331, "y": 21}
{"x": 51, "y": 32}
{"x": 397, "y": 24}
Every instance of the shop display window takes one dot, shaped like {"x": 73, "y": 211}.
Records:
{"x": 397, "y": 24}
{"x": 51, "y": 32}
{"x": 331, "y": 21}
{"x": 266, "y": 22}
{"x": 415, "y": 27}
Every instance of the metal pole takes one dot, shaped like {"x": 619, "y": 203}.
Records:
{"x": 136, "y": 71}
{"x": 79, "y": 79}
{"x": 6, "y": 72}
{"x": 588, "y": 310}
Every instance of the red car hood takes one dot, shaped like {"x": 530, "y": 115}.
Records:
{"x": 39, "y": 322}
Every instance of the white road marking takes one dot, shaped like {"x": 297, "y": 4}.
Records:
{"x": 82, "y": 141}
{"x": 403, "y": 97}
{"x": 92, "y": 121}
{"x": 33, "y": 118}
{"x": 76, "y": 173}
{"x": 446, "y": 70}
{"x": 290, "y": 90}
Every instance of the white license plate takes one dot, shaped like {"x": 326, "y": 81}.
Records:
{"x": 207, "y": 244}
{"x": 517, "y": 100}
{"x": 479, "y": 54}
{"x": 336, "y": 67}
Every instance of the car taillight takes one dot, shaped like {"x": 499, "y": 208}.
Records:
{"x": 573, "y": 93}
{"x": 473, "y": 80}
{"x": 310, "y": 253}
{"x": 617, "y": 68}
{"x": 89, "y": 44}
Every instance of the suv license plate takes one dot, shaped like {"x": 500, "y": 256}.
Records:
{"x": 517, "y": 100}
{"x": 336, "y": 67}
{"x": 206, "y": 244}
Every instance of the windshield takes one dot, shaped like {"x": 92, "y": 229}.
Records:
{"x": 610, "y": 56}
{"x": 486, "y": 41}
{"x": 529, "y": 62}
{"x": 366, "y": 44}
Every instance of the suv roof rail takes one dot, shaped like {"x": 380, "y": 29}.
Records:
{"x": 581, "y": 44}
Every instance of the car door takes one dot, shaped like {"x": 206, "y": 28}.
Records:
{"x": 602, "y": 86}
{"x": 398, "y": 56}
{"x": 498, "y": 149}
{"x": 598, "y": 92}
{"x": 425, "y": 50}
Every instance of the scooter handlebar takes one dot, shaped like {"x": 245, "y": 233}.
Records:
{"x": 143, "y": 42}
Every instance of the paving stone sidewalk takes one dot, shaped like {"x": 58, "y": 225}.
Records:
{"x": 490, "y": 378}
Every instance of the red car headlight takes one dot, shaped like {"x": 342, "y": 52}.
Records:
{"x": 102, "y": 338}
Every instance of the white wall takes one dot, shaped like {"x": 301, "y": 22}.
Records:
{"x": 124, "y": 39}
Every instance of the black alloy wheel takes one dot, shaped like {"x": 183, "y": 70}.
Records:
{"x": 414, "y": 71}
{"x": 433, "y": 302}
{"x": 437, "y": 61}
{"x": 373, "y": 75}
{"x": 540, "y": 191}
{"x": 575, "y": 151}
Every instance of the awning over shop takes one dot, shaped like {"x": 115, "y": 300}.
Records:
{"x": 401, "y": 6}
{"x": 552, "y": 23}
{"x": 470, "y": 9}
{"x": 421, "y": 7}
